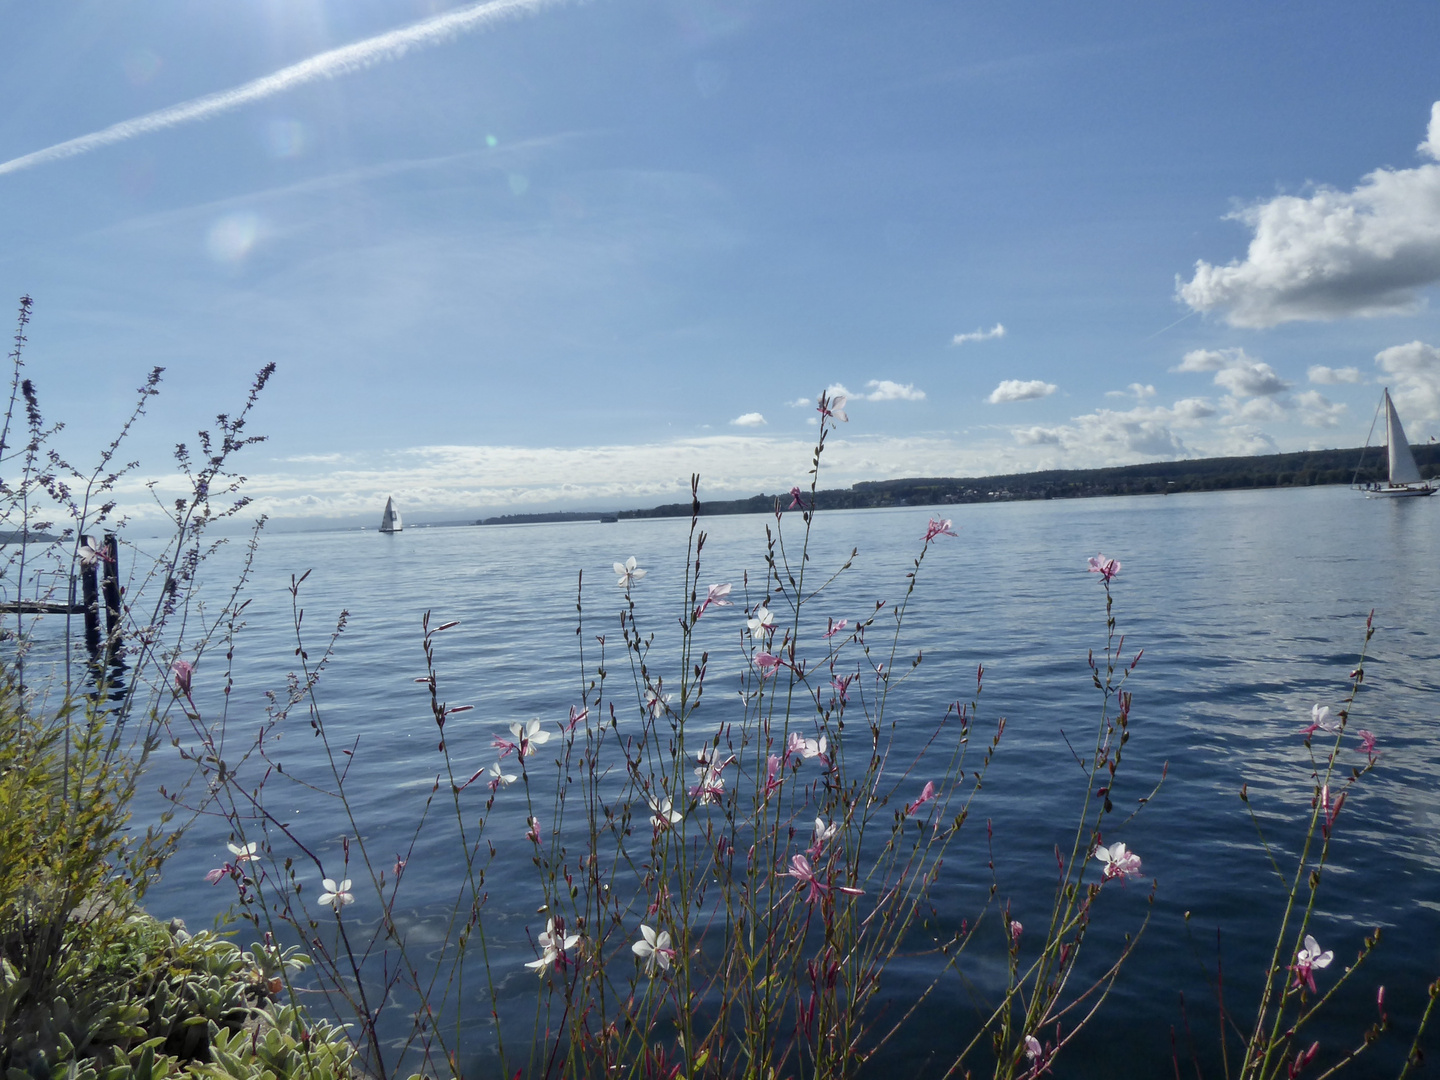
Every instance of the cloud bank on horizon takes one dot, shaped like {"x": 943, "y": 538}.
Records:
{"x": 1365, "y": 252}
{"x": 331, "y": 64}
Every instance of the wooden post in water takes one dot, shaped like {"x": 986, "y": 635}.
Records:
{"x": 91, "y": 594}
{"x": 110, "y": 585}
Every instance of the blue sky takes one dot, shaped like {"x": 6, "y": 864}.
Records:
{"x": 533, "y": 255}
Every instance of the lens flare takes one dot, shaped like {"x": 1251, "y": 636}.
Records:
{"x": 233, "y": 236}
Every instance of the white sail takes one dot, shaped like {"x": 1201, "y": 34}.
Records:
{"x": 1402, "y": 461}
{"x": 390, "y": 520}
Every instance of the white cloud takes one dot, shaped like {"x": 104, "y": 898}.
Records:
{"x": 798, "y": 403}
{"x": 1415, "y": 369}
{"x": 1037, "y": 436}
{"x": 885, "y": 390}
{"x": 1189, "y": 411}
{"x": 1364, "y": 252}
{"x": 1209, "y": 359}
{"x": 1235, "y": 372}
{"x": 1331, "y": 376}
{"x": 1253, "y": 410}
{"x": 1110, "y": 437}
{"x": 1139, "y": 391}
{"x": 749, "y": 419}
{"x": 1257, "y": 379}
{"x": 1018, "y": 390}
{"x": 1317, "y": 411}
{"x": 327, "y": 65}
{"x": 997, "y": 331}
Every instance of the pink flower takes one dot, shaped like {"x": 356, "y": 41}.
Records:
{"x": 1106, "y": 568}
{"x": 840, "y": 686}
{"x": 835, "y": 628}
{"x": 832, "y": 408}
{"x": 767, "y": 663}
{"x": 1118, "y": 862}
{"x": 773, "y": 778}
{"x": 1032, "y": 1047}
{"x": 1302, "y": 1059}
{"x": 804, "y": 874}
{"x": 717, "y": 595}
{"x": 577, "y": 716}
{"x": 1367, "y": 744}
{"x": 182, "y": 670}
{"x": 926, "y": 794}
{"x": 1307, "y": 959}
{"x": 534, "y": 832}
{"x": 1331, "y": 811}
{"x": 939, "y": 527}
{"x": 505, "y": 746}
{"x": 1016, "y": 930}
{"x": 219, "y": 872}
{"x": 795, "y": 500}
{"x": 711, "y": 787}
{"x": 1320, "y": 721}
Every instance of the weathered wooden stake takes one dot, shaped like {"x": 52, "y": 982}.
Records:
{"x": 88, "y": 579}
{"x": 110, "y": 583}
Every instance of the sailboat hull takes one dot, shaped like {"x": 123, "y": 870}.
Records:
{"x": 1398, "y": 492}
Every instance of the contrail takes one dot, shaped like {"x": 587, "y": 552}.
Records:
{"x": 325, "y": 65}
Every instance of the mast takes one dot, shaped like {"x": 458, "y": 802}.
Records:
{"x": 1402, "y": 462}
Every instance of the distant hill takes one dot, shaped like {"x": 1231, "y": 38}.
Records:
{"x": 1301, "y": 469}
{"x": 540, "y": 519}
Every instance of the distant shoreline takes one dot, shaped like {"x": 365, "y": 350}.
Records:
{"x": 1305, "y": 468}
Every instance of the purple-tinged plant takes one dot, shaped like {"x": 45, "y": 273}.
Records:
{"x": 1105, "y": 567}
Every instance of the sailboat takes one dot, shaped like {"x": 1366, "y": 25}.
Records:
{"x": 1404, "y": 475}
{"x": 390, "y": 520}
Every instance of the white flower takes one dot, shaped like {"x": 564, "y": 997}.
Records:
{"x": 657, "y": 703}
{"x": 628, "y": 572}
{"x": 824, "y": 832}
{"x": 339, "y": 895}
{"x": 529, "y": 735}
{"x": 244, "y": 854}
{"x": 498, "y": 777}
{"x": 665, "y": 812}
{"x": 761, "y": 622}
{"x": 1118, "y": 862}
{"x": 1312, "y": 955}
{"x": 553, "y": 945}
{"x": 1307, "y": 959}
{"x": 654, "y": 948}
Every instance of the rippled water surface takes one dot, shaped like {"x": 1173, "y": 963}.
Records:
{"x": 1250, "y": 607}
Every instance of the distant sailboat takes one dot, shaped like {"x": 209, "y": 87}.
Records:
{"x": 1404, "y": 475}
{"x": 390, "y": 520}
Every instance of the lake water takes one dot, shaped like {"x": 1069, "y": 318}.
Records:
{"x": 1250, "y": 607}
